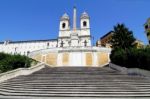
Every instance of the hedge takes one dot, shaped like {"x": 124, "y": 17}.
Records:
{"x": 131, "y": 58}
{"x": 10, "y": 62}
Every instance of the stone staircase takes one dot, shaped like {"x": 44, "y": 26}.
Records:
{"x": 76, "y": 82}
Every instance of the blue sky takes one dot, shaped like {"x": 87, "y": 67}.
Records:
{"x": 39, "y": 19}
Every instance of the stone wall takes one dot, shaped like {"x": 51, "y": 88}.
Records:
{"x": 89, "y": 59}
{"x": 103, "y": 58}
{"x": 65, "y": 59}
{"x": 73, "y": 57}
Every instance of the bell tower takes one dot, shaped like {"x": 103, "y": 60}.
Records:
{"x": 64, "y": 28}
{"x": 64, "y": 22}
{"x": 85, "y": 21}
{"x": 85, "y": 29}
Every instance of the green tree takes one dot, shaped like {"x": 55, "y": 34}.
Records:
{"x": 122, "y": 37}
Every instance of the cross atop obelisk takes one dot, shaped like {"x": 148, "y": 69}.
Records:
{"x": 74, "y": 18}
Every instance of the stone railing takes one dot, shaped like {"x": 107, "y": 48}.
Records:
{"x": 70, "y": 49}
{"x": 130, "y": 71}
{"x": 20, "y": 71}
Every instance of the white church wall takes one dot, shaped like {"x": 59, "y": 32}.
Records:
{"x": 64, "y": 33}
{"x": 84, "y": 32}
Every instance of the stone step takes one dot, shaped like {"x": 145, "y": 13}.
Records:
{"x": 73, "y": 93}
{"x": 70, "y": 85}
{"x": 76, "y": 82}
{"x": 90, "y": 89}
{"x": 75, "y": 79}
{"x": 74, "y": 74}
{"x": 76, "y": 96}
{"x": 81, "y": 76}
{"x": 74, "y": 88}
{"x": 76, "y": 91}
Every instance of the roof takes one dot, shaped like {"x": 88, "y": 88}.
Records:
{"x": 30, "y": 41}
{"x": 84, "y": 15}
{"x": 65, "y": 17}
{"x": 111, "y": 32}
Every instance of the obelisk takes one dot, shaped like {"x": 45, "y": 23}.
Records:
{"x": 74, "y": 34}
{"x": 74, "y": 18}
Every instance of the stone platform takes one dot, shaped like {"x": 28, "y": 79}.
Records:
{"x": 73, "y": 56}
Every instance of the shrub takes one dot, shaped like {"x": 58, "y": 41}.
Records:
{"x": 10, "y": 62}
{"x": 118, "y": 56}
{"x": 3, "y": 56}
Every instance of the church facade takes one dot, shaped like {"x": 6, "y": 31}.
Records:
{"x": 67, "y": 37}
{"x": 76, "y": 36}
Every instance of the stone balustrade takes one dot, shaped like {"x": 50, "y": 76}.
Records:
{"x": 130, "y": 71}
{"x": 20, "y": 71}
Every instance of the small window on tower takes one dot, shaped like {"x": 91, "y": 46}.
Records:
{"x": 63, "y": 25}
{"x": 148, "y": 33}
{"x": 84, "y": 24}
{"x": 146, "y": 26}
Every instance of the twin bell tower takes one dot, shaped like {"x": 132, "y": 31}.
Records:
{"x": 74, "y": 37}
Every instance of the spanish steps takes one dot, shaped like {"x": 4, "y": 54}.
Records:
{"x": 76, "y": 82}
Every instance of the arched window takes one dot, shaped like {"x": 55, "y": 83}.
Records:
{"x": 47, "y": 44}
{"x": 84, "y": 23}
{"x": 146, "y": 26}
{"x": 63, "y": 25}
